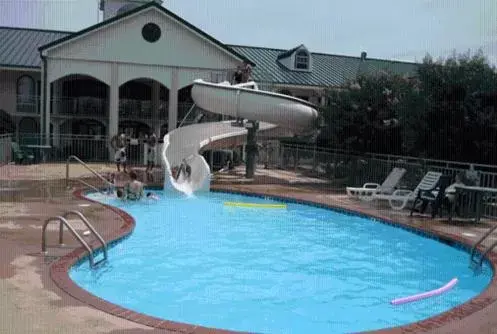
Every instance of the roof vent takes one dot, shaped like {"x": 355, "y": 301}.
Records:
{"x": 363, "y": 55}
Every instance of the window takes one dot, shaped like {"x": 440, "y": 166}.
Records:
{"x": 302, "y": 60}
{"x": 151, "y": 32}
{"x": 26, "y": 92}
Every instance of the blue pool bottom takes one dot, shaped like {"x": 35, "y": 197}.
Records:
{"x": 299, "y": 270}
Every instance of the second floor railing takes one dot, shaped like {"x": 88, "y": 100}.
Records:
{"x": 98, "y": 107}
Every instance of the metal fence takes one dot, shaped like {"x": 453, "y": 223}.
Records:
{"x": 5, "y": 148}
{"x": 353, "y": 169}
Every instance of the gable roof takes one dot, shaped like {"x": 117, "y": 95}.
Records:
{"x": 19, "y": 48}
{"x": 148, "y": 5}
{"x": 288, "y": 53}
{"x": 327, "y": 69}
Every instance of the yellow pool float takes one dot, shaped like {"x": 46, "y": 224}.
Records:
{"x": 256, "y": 205}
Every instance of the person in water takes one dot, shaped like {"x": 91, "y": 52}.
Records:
{"x": 134, "y": 190}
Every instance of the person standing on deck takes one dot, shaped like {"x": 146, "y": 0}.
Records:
{"x": 151, "y": 154}
{"x": 119, "y": 143}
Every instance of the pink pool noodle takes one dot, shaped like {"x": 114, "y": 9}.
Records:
{"x": 424, "y": 295}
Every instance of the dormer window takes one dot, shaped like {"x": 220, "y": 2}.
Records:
{"x": 298, "y": 59}
{"x": 301, "y": 60}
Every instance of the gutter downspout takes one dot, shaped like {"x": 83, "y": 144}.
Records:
{"x": 44, "y": 99}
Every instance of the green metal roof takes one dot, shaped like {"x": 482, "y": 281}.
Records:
{"x": 327, "y": 69}
{"x": 19, "y": 48}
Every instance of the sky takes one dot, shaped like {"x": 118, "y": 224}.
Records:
{"x": 390, "y": 29}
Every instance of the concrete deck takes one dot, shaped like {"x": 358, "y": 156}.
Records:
{"x": 32, "y": 303}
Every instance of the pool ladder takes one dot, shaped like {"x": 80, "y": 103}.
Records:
{"x": 63, "y": 221}
{"x": 473, "y": 262}
{"x": 82, "y": 163}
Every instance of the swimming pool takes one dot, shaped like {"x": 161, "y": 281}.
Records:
{"x": 297, "y": 270}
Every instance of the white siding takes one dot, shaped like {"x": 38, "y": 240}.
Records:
{"x": 122, "y": 41}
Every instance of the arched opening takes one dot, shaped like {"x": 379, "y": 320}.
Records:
{"x": 79, "y": 95}
{"x": 28, "y": 126}
{"x": 29, "y": 131}
{"x": 139, "y": 98}
{"x": 26, "y": 94}
{"x": 136, "y": 130}
{"x": 185, "y": 102}
{"x": 85, "y": 138}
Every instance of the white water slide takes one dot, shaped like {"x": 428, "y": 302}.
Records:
{"x": 245, "y": 101}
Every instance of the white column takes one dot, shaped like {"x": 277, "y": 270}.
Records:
{"x": 323, "y": 100}
{"x": 42, "y": 102}
{"x": 46, "y": 125}
{"x": 57, "y": 90}
{"x": 56, "y": 133}
{"x": 173, "y": 102}
{"x": 155, "y": 108}
{"x": 113, "y": 126}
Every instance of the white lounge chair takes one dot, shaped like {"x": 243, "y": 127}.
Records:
{"x": 429, "y": 181}
{"x": 366, "y": 192}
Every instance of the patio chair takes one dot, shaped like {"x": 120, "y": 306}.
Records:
{"x": 388, "y": 186}
{"x": 436, "y": 197}
{"x": 21, "y": 156}
{"x": 405, "y": 196}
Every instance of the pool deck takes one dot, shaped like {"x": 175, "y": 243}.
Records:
{"x": 33, "y": 303}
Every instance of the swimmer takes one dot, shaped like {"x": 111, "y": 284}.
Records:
{"x": 152, "y": 196}
{"x": 121, "y": 194}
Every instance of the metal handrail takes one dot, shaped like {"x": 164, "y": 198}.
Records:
{"x": 73, "y": 157}
{"x": 475, "y": 246}
{"x": 187, "y": 114}
{"x": 91, "y": 186}
{"x": 63, "y": 221}
{"x": 90, "y": 227}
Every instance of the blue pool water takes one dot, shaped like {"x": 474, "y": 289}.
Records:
{"x": 297, "y": 270}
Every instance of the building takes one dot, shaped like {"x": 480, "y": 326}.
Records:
{"x": 132, "y": 72}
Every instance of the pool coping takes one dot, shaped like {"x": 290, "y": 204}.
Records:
{"x": 59, "y": 272}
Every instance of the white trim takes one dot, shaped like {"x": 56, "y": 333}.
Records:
{"x": 20, "y": 68}
{"x": 290, "y": 86}
{"x": 136, "y": 14}
{"x": 144, "y": 65}
{"x": 104, "y": 26}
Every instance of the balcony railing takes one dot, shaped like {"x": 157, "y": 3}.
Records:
{"x": 80, "y": 106}
{"x": 99, "y": 107}
{"x": 28, "y": 104}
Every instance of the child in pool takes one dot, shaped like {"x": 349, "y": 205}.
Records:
{"x": 152, "y": 196}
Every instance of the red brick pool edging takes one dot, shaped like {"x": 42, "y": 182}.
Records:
{"x": 59, "y": 273}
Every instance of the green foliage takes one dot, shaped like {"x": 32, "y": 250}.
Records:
{"x": 438, "y": 114}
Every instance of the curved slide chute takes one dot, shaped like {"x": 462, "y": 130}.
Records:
{"x": 271, "y": 109}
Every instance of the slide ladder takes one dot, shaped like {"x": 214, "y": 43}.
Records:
{"x": 473, "y": 262}
{"x": 82, "y": 163}
{"x": 63, "y": 222}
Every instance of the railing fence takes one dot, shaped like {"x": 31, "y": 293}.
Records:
{"x": 5, "y": 149}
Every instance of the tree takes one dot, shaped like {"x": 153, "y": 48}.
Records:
{"x": 459, "y": 127}
{"x": 370, "y": 113}
{"x": 446, "y": 112}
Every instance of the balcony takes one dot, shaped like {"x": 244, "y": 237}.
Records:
{"x": 80, "y": 106}
{"x": 28, "y": 104}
